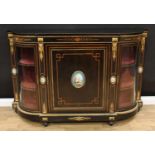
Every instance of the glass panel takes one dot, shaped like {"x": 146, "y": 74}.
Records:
{"x": 28, "y": 95}
{"x": 28, "y": 77}
{"x": 27, "y": 56}
{"x": 127, "y": 76}
{"x": 128, "y": 55}
{"x": 126, "y": 98}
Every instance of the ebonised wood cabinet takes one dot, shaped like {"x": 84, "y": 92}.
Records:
{"x": 77, "y": 77}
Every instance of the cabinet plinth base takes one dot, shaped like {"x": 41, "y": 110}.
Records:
{"x": 110, "y": 118}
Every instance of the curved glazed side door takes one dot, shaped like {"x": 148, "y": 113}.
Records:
{"x": 127, "y": 71}
{"x": 26, "y": 61}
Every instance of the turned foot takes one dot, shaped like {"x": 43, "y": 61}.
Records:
{"x": 111, "y": 121}
{"x": 45, "y": 121}
{"x": 140, "y": 104}
{"x": 45, "y": 124}
{"x": 14, "y": 107}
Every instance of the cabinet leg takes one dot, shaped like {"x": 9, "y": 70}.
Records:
{"x": 45, "y": 121}
{"x": 111, "y": 123}
{"x": 140, "y": 104}
{"x": 14, "y": 107}
{"x": 111, "y": 120}
{"x": 45, "y": 124}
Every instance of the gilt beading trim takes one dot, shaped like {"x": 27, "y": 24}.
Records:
{"x": 114, "y": 47}
{"x": 41, "y": 48}
{"x": 11, "y": 43}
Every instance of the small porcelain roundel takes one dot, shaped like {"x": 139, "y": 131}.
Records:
{"x": 78, "y": 79}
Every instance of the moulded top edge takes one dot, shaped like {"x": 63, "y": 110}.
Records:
{"x": 99, "y": 34}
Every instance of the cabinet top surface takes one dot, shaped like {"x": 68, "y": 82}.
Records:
{"x": 68, "y": 31}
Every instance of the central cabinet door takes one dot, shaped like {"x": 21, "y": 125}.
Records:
{"x": 77, "y": 79}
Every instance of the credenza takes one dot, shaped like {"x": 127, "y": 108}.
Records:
{"x": 77, "y": 77}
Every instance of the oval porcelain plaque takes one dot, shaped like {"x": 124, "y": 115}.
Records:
{"x": 78, "y": 79}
